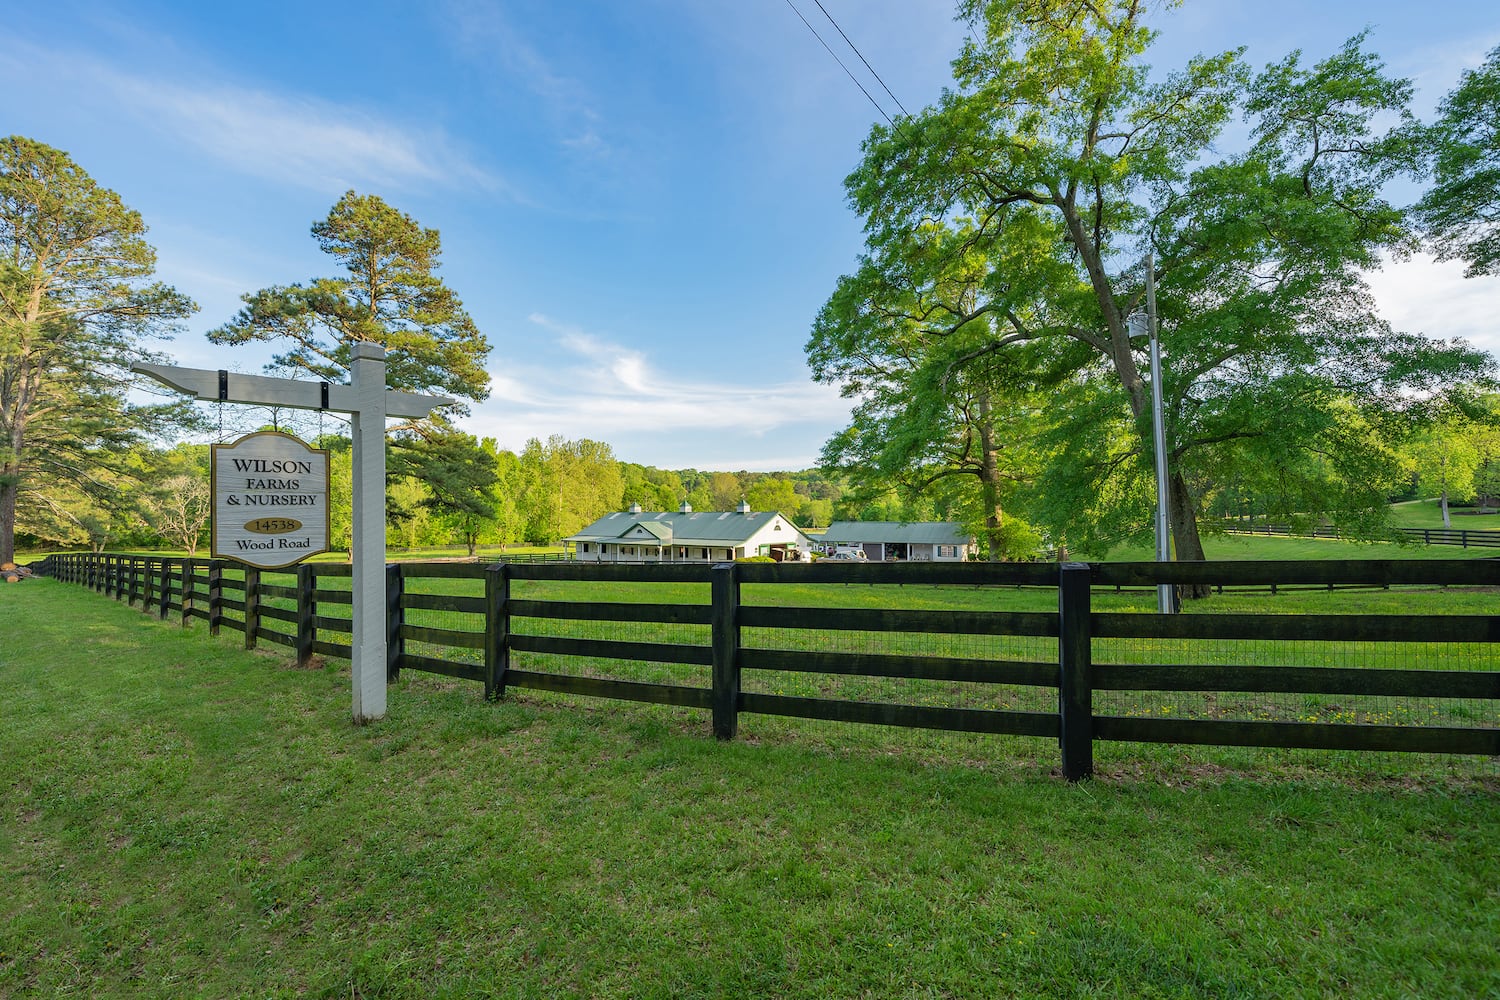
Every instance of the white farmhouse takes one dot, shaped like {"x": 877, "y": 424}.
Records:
{"x": 687, "y": 536}
{"x": 918, "y": 541}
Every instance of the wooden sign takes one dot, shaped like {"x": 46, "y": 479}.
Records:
{"x": 369, "y": 402}
{"x": 270, "y": 494}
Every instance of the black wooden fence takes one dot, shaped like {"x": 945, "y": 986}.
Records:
{"x": 1466, "y": 538}
{"x": 286, "y": 608}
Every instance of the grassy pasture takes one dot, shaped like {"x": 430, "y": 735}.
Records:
{"x": 1428, "y": 514}
{"x": 1283, "y": 547}
{"x": 183, "y": 818}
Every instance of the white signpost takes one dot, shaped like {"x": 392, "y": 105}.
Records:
{"x": 270, "y": 497}
{"x": 369, "y": 402}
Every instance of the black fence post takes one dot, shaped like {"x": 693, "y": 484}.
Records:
{"x": 215, "y": 595}
{"x": 496, "y": 629}
{"x": 395, "y": 620}
{"x": 1075, "y": 694}
{"x": 306, "y": 608}
{"x": 166, "y": 588}
{"x": 724, "y": 594}
{"x": 149, "y": 584}
{"x": 252, "y": 605}
{"x": 189, "y": 568}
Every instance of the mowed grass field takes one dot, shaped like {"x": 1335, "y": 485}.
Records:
{"x": 181, "y": 818}
{"x": 1429, "y": 514}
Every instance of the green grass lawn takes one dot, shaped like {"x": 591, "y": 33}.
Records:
{"x": 1281, "y": 547}
{"x": 1428, "y": 514}
{"x": 182, "y": 818}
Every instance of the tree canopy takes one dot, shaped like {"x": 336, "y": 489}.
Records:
{"x": 458, "y": 478}
{"x": 1462, "y": 211}
{"x": 1006, "y": 229}
{"x": 76, "y": 301}
{"x": 389, "y": 294}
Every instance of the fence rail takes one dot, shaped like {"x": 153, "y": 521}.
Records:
{"x": 476, "y": 635}
{"x": 1468, "y": 538}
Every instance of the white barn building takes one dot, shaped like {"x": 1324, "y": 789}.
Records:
{"x": 918, "y": 541}
{"x": 687, "y": 536}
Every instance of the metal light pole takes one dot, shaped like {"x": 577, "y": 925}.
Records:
{"x": 1165, "y": 602}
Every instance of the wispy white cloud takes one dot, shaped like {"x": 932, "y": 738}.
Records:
{"x": 1421, "y": 295}
{"x": 1434, "y": 69}
{"x": 292, "y": 139}
{"x": 607, "y": 391}
{"x": 484, "y": 33}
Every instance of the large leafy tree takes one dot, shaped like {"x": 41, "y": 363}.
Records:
{"x": 1462, "y": 211}
{"x": 389, "y": 294}
{"x": 725, "y": 490}
{"x": 1452, "y": 453}
{"x": 653, "y": 489}
{"x": 100, "y": 507}
{"x": 458, "y": 478}
{"x": 910, "y": 336}
{"x": 76, "y": 300}
{"x": 564, "y": 485}
{"x": 179, "y": 505}
{"x": 1062, "y": 163}
{"x": 773, "y": 493}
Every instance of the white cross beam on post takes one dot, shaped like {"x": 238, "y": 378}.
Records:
{"x": 369, "y": 402}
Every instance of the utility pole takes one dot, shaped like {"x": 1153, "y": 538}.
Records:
{"x": 1166, "y": 602}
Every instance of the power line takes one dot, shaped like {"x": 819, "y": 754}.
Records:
{"x": 836, "y": 59}
{"x": 862, "y": 59}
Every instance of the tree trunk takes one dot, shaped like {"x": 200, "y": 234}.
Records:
{"x": 989, "y": 481}
{"x": 1183, "y": 516}
{"x": 1443, "y": 502}
{"x": 8, "y": 493}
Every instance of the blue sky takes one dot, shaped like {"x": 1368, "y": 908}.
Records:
{"x": 640, "y": 200}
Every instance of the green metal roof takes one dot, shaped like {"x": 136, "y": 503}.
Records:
{"x": 696, "y": 528}
{"x": 918, "y": 532}
{"x": 658, "y": 529}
